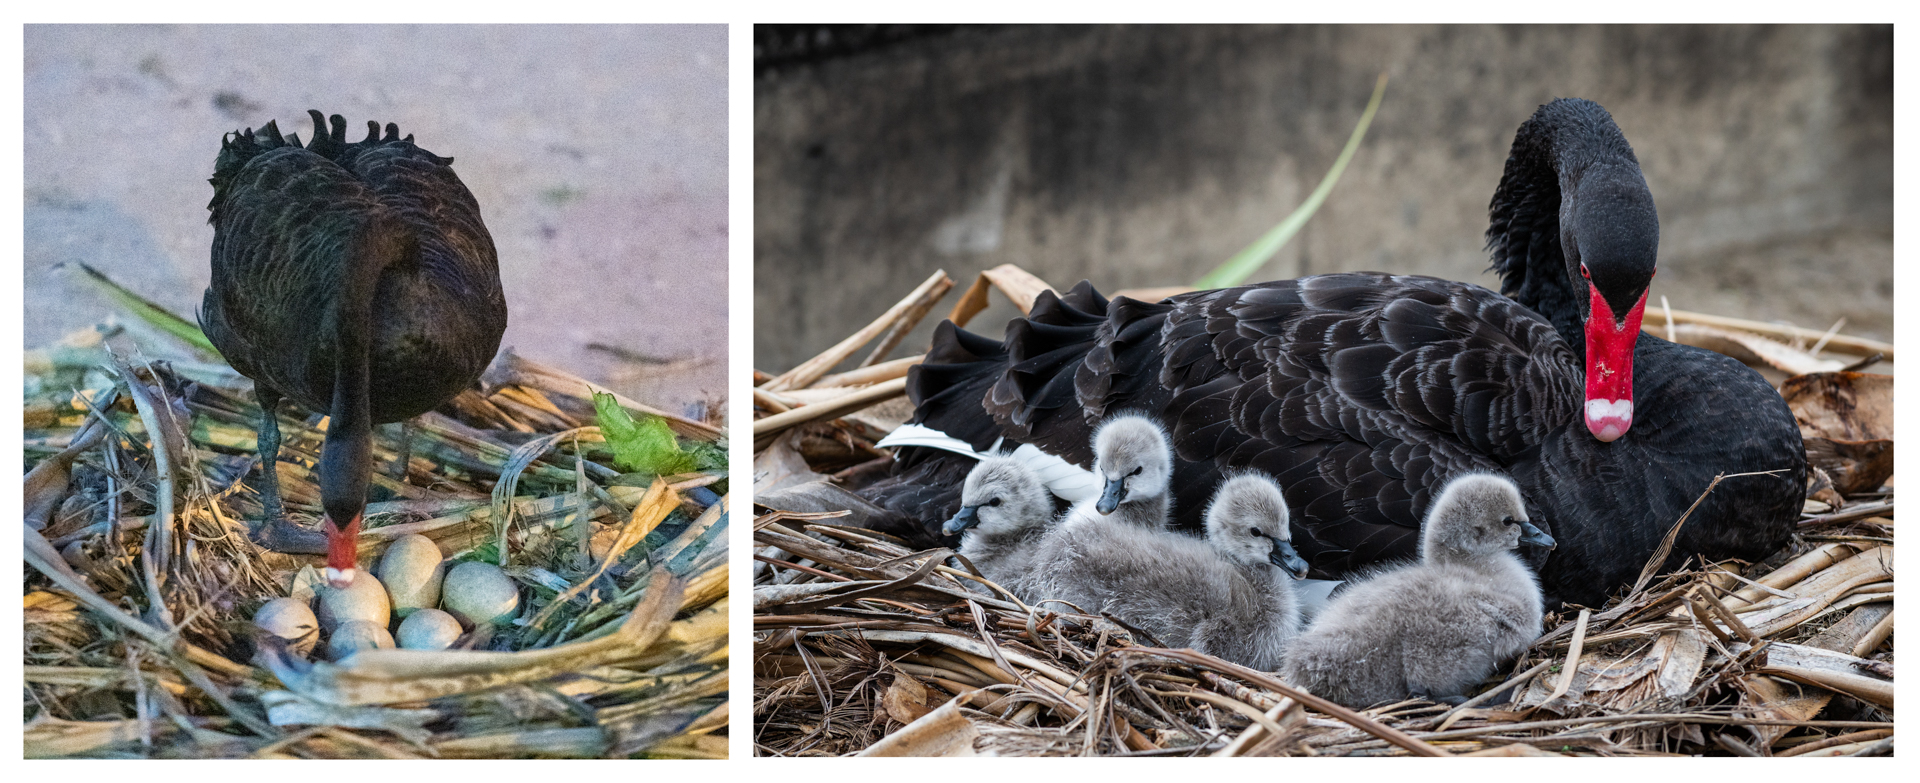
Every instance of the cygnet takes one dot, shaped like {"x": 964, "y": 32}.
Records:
{"x": 1248, "y": 524}
{"x": 1220, "y": 596}
{"x": 1004, "y": 512}
{"x": 1434, "y": 628}
{"x": 1133, "y": 462}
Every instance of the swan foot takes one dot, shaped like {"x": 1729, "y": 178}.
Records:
{"x": 281, "y": 535}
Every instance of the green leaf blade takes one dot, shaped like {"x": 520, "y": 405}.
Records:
{"x": 1244, "y": 264}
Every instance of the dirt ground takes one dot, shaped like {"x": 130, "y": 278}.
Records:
{"x": 598, "y": 155}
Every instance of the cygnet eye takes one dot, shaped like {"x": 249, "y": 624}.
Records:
{"x": 1256, "y": 531}
{"x": 1136, "y": 471}
{"x": 993, "y": 502}
{"x": 1509, "y": 522}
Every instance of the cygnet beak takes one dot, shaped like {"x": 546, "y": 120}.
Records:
{"x": 1535, "y": 536}
{"x": 968, "y": 517}
{"x": 1110, "y": 497}
{"x": 1288, "y": 560}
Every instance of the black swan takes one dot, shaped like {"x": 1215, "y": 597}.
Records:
{"x": 1363, "y": 393}
{"x": 1434, "y": 628}
{"x": 357, "y": 279}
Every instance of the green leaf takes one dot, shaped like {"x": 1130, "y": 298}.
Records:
{"x": 1243, "y": 264}
{"x": 485, "y": 553}
{"x": 148, "y": 311}
{"x": 646, "y": 445}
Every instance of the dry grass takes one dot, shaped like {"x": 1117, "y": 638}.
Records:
{"x": 137, "y": 642}
{"x": 857, "y": 638}
{"x": 864, "y": 646}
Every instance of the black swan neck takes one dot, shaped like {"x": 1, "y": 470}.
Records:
{"x": 346, "y": 459}
{"x": 1571, "y": 178}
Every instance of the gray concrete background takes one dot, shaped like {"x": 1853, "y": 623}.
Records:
{"x": 598, "y": 155}
{"x": 1143, "y": 156}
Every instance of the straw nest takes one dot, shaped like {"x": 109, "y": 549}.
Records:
{"x": 864, "y": 646}
{"x": 138, "y": 639}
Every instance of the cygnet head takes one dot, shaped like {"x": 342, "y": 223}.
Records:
{"x": 1479, "y": 514}
{"x": 1132, "y": 459}
{"x": 1248, "y": 522}
{"x": 1001, "y": 495}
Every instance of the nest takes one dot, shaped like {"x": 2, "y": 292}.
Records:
{"x": 864, "y": 646}
{"x": 144, "y": 574}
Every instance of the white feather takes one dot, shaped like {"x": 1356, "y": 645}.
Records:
{"x": 1064, "y": 479}
{"x": 1313, "y": 595}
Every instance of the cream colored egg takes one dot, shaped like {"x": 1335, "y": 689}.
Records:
{"x": 411, "y": 570}
{"x": 479, "y": 593}
{"x": 292, "y": 620}
{"x": 365, "y": 599}
{"x": 356, "y": 635}
{"x": 428, "y": 629}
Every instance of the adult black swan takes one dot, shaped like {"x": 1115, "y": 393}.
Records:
{"x": 356, "y": 279}
{"x": 1363, "y": 393}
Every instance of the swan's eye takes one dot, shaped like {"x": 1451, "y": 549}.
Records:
{"x": 1256, "y": 531}
{"x": 1509, "y": 521}
{"x": 1136, "y": 471}
{"x": 1584, "y": 273}
{"x": 993, "y": 502}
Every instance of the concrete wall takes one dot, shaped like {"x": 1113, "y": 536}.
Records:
{"x": 1142, "y": 156}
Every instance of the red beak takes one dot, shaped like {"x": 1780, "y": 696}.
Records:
{"x": 1609, "y": 408}
{"x": 343, "y": 552}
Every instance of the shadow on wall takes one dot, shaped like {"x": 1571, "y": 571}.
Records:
{"x": 1143, "y": 156}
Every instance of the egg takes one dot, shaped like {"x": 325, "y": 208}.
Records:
{"x": 289, "y": 619}
{"x": 365, "y": 599}
{"x": 428, "y": 629}
{"x": 355, "y": 635}
{"x": 479, "y": 593}
{"x": 411, "y": 569}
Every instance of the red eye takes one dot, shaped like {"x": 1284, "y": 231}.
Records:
{"x": 1584, "y": 273}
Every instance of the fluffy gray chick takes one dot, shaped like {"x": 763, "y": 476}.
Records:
{"x": 1004, "y": 512}
{"x": 1247, "y": 523}
{"x": 1434, "y": 628}
{"x": 1183, "y": 591}
{"x": 1133, "y": 461}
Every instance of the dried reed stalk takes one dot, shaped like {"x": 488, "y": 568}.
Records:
{"x": 154, "y": 502}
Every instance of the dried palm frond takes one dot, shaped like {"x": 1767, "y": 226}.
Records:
{"x": 862, "y": 646}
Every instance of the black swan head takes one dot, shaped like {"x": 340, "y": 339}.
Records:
{"x": 1574, "y": 236}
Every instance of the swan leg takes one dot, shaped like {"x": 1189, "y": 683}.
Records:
{"x": 269, "y": 450}
{"x": 275, "y": 532}
{"x": 403, "y": 451}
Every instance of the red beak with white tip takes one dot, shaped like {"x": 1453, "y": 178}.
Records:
{"x": 343, "y": 552}
{"x": 1609, "y": 404}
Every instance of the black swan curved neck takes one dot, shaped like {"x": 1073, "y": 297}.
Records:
{"x": 347, "y": 458}
{"x": 1572, "y": 193}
